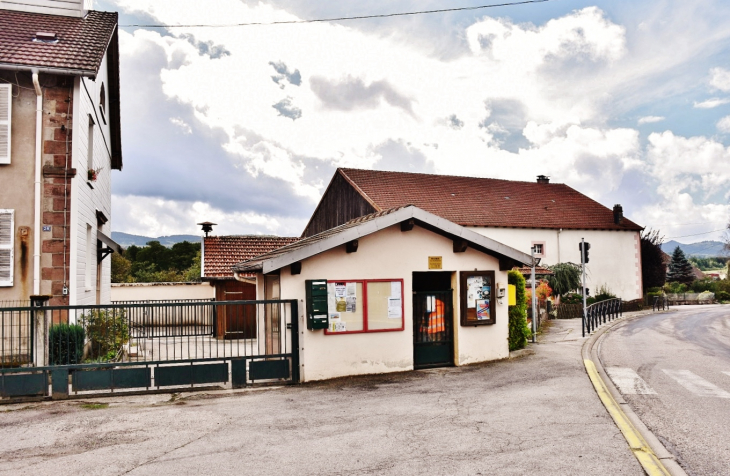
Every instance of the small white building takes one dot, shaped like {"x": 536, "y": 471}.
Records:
{"x": 391, "y": 291}
{"x": 60, "y": 140}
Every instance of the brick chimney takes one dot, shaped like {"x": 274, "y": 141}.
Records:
{"x": 543, "y": 179}
{"x": 618, "y": 214}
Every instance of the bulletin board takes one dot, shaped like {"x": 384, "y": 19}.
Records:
{"x": 477, "y": 298}
{"x": 356, "y": 306}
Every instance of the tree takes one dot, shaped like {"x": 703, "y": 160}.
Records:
{"x": 680, "y": 269}
{"x": 519, "y": 333}
{"x": 566, "y": 278}
{"x": 653, "y": 269}
{"x": 121, "y": 269}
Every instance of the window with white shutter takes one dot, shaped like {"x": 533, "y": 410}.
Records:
{"x": 6, "y": 247}
{"x": 6, "y": 96}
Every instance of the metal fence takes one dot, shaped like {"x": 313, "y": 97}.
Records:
{"x": 600, "y": 313}
{"x": 136, "y": 344}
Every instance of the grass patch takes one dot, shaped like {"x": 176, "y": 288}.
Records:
{"x": 95, "y": 406}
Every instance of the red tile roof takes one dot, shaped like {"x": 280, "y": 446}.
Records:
{"x": 81, "y": 44}
{"x": 220, "y": 253}
{"x": 485, "y": 202}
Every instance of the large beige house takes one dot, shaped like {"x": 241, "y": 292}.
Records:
{"x": 59, "y": 141}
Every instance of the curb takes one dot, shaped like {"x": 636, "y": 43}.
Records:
{"x": 654, "y": 458}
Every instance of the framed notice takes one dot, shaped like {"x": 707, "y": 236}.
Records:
{"x": 476, "y": 291}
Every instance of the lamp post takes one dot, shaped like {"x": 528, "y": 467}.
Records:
{"x": 534, "y": 297}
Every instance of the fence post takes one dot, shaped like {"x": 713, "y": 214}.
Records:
{"x": 294, "y": 341}
{"x": 41, "y": 328}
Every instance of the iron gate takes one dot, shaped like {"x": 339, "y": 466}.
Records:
{"x": 433, "y": 329}
{"x": 56, "y": 351}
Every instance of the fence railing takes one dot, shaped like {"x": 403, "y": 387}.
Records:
{"x": 143, "y": 332}
{"x": 600, "y": 313}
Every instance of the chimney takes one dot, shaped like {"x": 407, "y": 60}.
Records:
{"x": 618, "y": 214}
{"x": 543, "y": 179}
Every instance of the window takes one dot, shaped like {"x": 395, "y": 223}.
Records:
{"x": 90, "y": 249}
{"x": 102, "y": 101}
{"x": 6, "y": 96}
{"x": 539, "y": 247}
{"x": 477, "y": 298}
{"x": 356, "y": 306}
{"x": 7, "y": 219}
{"x": 90, "y": 150}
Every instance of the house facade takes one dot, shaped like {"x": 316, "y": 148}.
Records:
{"x": 391, "y": 291}
{"x": 552, "y": 217}
{"x": 59, "y": 141}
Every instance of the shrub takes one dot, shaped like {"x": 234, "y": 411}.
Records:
{"x": 519, "y": 333}
{"x": 66, "y": 344}
{"x": 675, "y": 288}
{"x": 573, "y": 298}
{"x": 722, "y": 296}
{"x": 108, "y": 331}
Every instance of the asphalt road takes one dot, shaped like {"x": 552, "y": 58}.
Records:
{"x": 674, "y": 371}
{"x": 537, "y": 414}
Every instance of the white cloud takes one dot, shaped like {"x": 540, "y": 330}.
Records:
{"x": 723, "y": 125}
{"x": 720, "y": 79}
{"x": 711, "y": 103}
{"x": 650, "y": 119}
{"x": 292, "y": 103}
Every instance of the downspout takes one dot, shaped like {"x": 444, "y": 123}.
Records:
{"x": 560, "y": 230}
{"x": 37, "y": 184}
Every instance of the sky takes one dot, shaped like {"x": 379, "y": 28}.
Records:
{"x": 627, "y": 102}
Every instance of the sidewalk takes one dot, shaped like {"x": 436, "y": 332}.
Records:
{"x": 535, "y": 414}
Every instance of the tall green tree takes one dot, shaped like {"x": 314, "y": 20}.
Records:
{"x": 680, "y": 269}
{"x": 519, "y": 332}
{"x": 653, "y": 269}
{"x": 566, "y": 278}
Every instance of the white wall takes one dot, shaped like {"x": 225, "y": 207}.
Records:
{"x": 72, "y": 8}
{"x": 86, "y": 200}
{"x": 390, "y": 254}
{"x": 614, "y": 257}
{"x": 157, "y": 291}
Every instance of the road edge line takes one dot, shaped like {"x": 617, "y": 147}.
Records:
{"x": 645, "y": 453}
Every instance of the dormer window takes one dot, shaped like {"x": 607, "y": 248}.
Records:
{"x": 45, "y": 37}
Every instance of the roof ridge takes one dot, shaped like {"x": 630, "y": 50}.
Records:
{"x": 424, "y": 174}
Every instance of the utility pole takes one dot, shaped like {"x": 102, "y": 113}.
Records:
{"x": 583, "y": 265}
{"x": 534, "y": 297}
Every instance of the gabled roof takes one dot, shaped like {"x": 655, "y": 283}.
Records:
{"x": 368, "y": 224}
{"x": 220, "y": 253}
{"x": 81, "y": 44}
{"x": 485, "y": 202}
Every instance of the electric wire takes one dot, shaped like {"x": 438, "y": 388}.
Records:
{"x": 322, "y": 20}
{"x": 697, "y": 234}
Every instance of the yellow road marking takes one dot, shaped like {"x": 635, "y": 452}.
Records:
{"x": 648, "y": 460}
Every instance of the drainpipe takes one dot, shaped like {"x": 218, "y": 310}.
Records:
{"x": 37, "y": 184}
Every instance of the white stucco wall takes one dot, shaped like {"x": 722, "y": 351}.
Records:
{"x": 86, "y": 200}
{"x": 391, "y": 254}
{"x": 158, "y": 291}
{"x": 614, "y": 257}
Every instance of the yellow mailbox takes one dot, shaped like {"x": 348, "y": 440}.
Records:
{"x": 511, "y": 295}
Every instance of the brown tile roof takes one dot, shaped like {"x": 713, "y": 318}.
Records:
{"x": 222, "y": 252}
{"x": 539, "y": 271}
{"x": 471, "y": 201}
{"x": 81, "y": 44}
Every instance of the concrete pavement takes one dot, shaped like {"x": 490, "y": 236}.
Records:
{"x": 535, "y": 414}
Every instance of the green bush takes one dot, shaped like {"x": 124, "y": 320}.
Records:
{"x": 573, "y": 298}
{"x": 722, "y": 296}
{"x": 66, "y": 344}
{"x": 108, "y": 331}
{"x": 675, "y": 288}
{"x": 519, "y": 333}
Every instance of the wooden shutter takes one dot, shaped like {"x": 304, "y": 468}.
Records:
{"x": 6, "y": 247}
{"x": 6, "y": 96}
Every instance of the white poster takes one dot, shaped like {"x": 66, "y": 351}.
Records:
{"x": 395, "y": 289}
{"x": 473, "y": 291}
{"x": 351, "y": 304}
{"x": 331, "y": 301}
{"x": 351, "y": 289}
{"x": 340, "y": 290}
{"x": 394, "y": 308}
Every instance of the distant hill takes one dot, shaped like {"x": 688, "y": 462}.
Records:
{"x": 126, "y": 239}
{"x": 701, "y": 249}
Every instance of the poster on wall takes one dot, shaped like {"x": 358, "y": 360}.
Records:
{"x": 394, "y": 308}
{"x": 351, "y": 304}
{"x": 474, "y": 285}
{"x": 483, "y": 310}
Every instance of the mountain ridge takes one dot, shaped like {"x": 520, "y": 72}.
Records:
{"x": 128, "y": 239}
